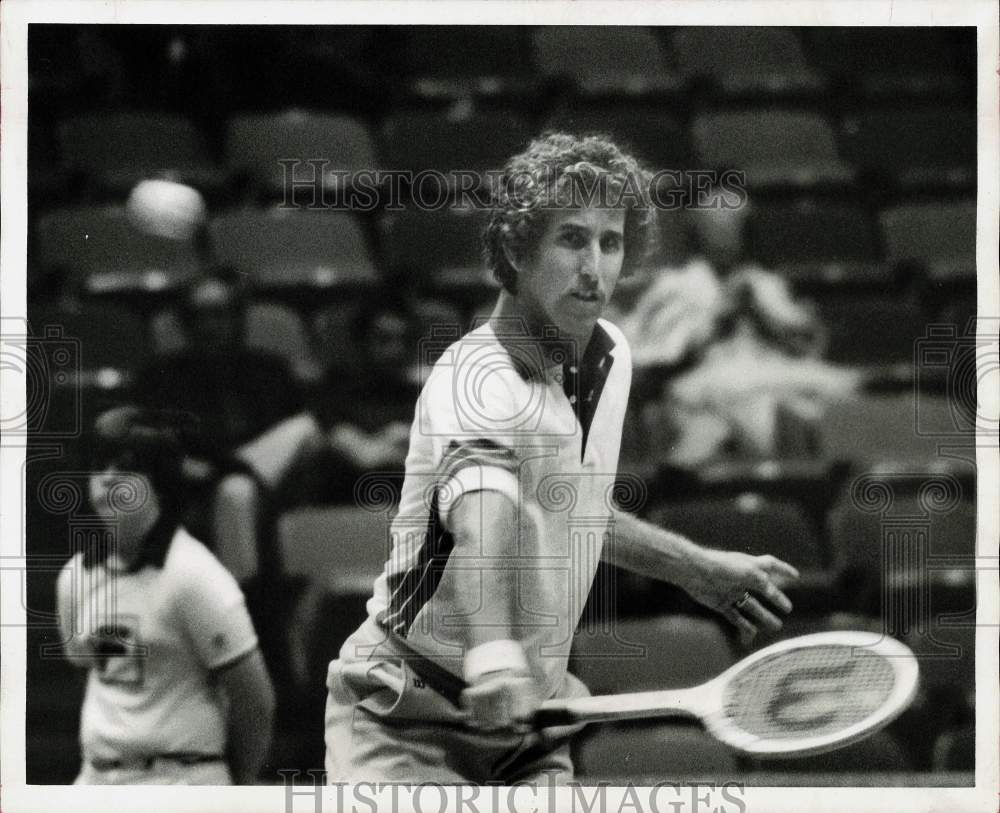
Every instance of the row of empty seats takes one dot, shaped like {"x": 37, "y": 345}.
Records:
{"x": 815, "y": 240}
{"x": 926, "y": 146}
{"x": 737, "y": 58}
{"x": 808, "y": 241}
{"x": 487, "y": 59}
{"x": 926, "y": 530}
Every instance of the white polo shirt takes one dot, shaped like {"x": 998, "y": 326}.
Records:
{"x": 494, "y": 416}
{"x": 151, "y": 640}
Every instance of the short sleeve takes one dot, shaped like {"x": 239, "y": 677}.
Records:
{"x": 212, "y": 609}
{"x": 74, "y": 644}
{"x": 474, "y": 414}
{"x": 64, "y": 600}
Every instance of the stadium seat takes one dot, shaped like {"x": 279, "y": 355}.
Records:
{"x": 857, "y": 536}
{"x": 757, "y": 60}
{"x": 441, "y": 246}
{"x": 464, "y": 50}
{"x": 166, "y": 332}
{"x": 343, "y": 548}
{"x": 870, "y": 325}
{"x": 959, "y": 306}
{"x": 456, "y": 61}
{"x": 116, "y": 150}
{"x": 331, "y": 326}
{"x": 646, "y": 753}
{"x": 278, "y": 329}
{"x": 917, "y": 148}
{"x": 107, "y": 341}
{"x": 255, "y": 144}
{"x": 955, "y": 750}
{"x": 103, "y": 253}
{"x": 941, "y": 237}
{"x": 749, "y": 523}
{"x": 48, "y": 180}
{"x": 774, "y": 147}
{"x": 331, "y": 556}
{"x": 807, "y": 480}
{"x": 477, "y": 142}
{"x": 673, "y": 237}
{"x": 654, "y": 136}
{"x": 640, "y": 654}
{"x": 754, "y": 524}
{"x": 881, "y": 751}
{"x": 270, "y": 326}
{"x": 54, "y": 696}
{"x": 892, "y": 426}
{"x": 602, "y": 58}
{"x": 903, "y": 539}
{"x": 283, "y": 248}
{"x": 947, "y": 654}
{"x": 434, "y": 315}
{"x": 887, "y": 62}
{"x": 816, "y": 242}
{"x": 946, "y": 699}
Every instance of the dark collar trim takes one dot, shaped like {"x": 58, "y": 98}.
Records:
{"x": 528, "y": 359}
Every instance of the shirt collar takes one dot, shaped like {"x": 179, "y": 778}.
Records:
{"x": 526, "y": 359}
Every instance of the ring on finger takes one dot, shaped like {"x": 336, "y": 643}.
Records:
{"x": 741, "y": 602}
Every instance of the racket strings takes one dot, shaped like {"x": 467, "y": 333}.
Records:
{"x": 809, "y": 692}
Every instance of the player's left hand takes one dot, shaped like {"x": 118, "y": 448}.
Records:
{"x": 746, "y": 590}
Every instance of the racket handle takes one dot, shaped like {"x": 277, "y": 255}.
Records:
{"x": 558, "y": 715}
{"x": 639, "y": 705}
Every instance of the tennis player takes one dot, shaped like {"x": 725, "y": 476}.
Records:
{"x": 177, "y": 690}
{"x": 506, "y": 505}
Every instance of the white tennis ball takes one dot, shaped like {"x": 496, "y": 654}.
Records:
{"x": 166, "y": 209}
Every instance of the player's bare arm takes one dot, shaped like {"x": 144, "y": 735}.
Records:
{"x": 729, "y": 582}
{"x": 251, "y": 715}
{"x": 502, "y": 691}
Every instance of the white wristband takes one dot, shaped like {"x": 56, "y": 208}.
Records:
{"x": 494, "y": 656}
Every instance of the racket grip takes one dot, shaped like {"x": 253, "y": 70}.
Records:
{"x": 553, "y": 716}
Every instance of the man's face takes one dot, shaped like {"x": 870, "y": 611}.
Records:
{"x": 570, "y": 275}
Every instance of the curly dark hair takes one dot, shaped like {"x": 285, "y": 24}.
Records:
{"x": 557, "y": 171}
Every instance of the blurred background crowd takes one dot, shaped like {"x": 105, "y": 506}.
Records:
{"x": 814, "y": 333}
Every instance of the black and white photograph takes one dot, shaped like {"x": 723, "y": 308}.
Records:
{"x": 500, "y": 406}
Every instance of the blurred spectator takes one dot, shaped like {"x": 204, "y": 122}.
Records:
{"x": 674, "y": 310}
{"x": 358, "y": 421}
{"x": 235, "y": 394}
{"x": 234, "y": 391}
{"x": 756, "y": 389}
{"x": 727, "y": 359}
{"x": 363, "y": 407}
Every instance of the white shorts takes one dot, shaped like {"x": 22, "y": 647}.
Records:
{"x": 384, "y": 724}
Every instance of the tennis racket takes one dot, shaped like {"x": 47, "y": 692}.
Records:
{"x": 798, "y": 697}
